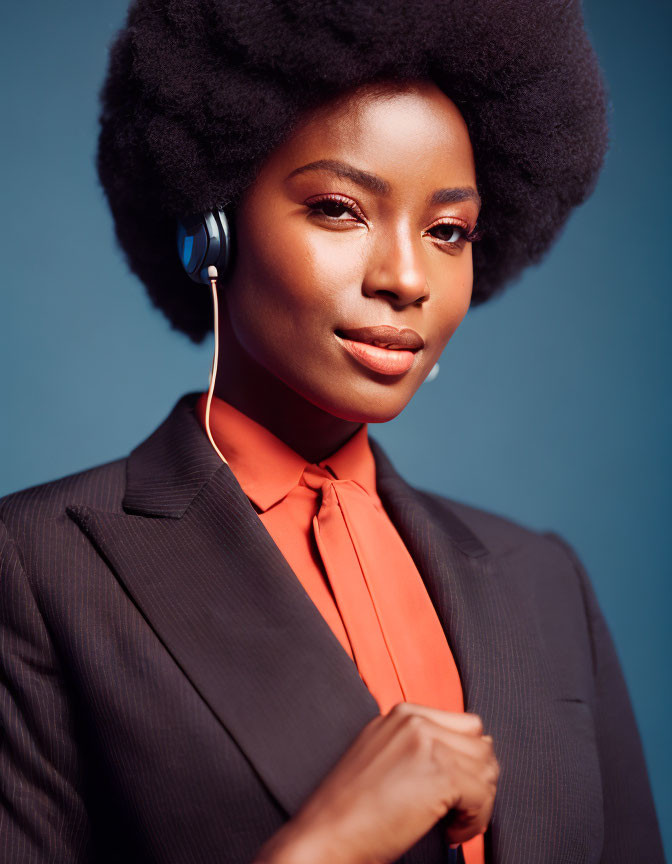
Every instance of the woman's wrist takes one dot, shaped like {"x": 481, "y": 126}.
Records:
{"x": 298, "y": 842}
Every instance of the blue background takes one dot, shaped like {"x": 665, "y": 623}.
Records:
{"x": 552, "y": 405}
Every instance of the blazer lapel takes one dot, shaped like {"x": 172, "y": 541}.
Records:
{"x": 506, "y": 677}
{"x": 215, "y": 588}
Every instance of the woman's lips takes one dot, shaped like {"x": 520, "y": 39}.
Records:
{"x": 385, "y": 336}
{"x": 388, "y": 361}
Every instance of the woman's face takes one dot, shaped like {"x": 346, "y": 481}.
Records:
{"x": 357, "y": 220}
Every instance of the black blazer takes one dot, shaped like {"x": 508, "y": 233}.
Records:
{"x": 171, "y": 694}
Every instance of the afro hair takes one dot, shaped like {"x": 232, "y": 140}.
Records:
{"x": 198, "y": 92}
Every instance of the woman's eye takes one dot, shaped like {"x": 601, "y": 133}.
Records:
{"x": 338, "y": 211}
{"x": 332, "y": 209}
{"x": 449, "y": 233}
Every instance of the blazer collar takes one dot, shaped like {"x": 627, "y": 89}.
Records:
{"x": 169, "y": 468}
{"x": 267, "y": 468}
{"x": 245, "y": 619}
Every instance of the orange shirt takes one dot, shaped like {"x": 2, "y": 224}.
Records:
{"x": 329, "y": 523}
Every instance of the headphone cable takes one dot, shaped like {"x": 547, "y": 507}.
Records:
{"x": 212, "y": 275}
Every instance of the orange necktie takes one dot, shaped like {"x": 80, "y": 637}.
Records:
{"x": 396, "y": 662}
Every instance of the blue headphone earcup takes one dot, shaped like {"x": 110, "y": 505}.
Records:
{"x": 204, "y": 240}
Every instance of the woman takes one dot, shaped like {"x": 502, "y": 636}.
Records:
{"x": 252, "y": 639}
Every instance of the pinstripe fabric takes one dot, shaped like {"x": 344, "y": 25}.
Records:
{"x": 169, "y": 693}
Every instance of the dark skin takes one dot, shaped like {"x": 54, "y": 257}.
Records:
{"x": 376, "y": 254}
{"x": 389, "y": 246}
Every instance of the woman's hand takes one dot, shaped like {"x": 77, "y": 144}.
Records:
{"x": 403, "y": 772}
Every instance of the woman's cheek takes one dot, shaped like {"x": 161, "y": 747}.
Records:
{"x": 266, "y": 324}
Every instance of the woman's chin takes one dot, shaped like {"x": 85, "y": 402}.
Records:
{"x": 368, "y": 407}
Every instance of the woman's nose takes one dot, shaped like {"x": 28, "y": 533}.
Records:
{"x": 395, "y": 269}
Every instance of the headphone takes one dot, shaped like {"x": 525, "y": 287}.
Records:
{"x": 204, "y": 241}
{"x": 205, "y": 249}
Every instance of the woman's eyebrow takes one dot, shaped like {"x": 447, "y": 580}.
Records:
{"x": 363, "y": 178}
{"x": 381, "y": 187}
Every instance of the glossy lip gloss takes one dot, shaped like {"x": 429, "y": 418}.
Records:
{"x": 387, "y": 361}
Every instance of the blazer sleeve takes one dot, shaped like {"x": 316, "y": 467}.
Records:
{"x": 631, "y": 830}
{"x": 42, "y": 814}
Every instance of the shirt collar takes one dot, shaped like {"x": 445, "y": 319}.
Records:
{"x": 267, "y": 468}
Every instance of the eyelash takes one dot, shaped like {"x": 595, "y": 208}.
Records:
{"x": 467, "y": 236}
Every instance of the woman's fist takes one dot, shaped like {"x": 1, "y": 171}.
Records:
{"x": 403, "y": 772}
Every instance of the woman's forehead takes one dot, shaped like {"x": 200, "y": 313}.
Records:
{"x": 388, "y": 108}
{"x": 411, "y": 134}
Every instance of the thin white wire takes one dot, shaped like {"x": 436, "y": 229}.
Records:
{"x": 215, "y": 360}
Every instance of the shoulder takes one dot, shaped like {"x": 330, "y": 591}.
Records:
{"x": 476, "y": 531}
{"x": 542, "y": 563}
{"x": 501, "y": 535}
